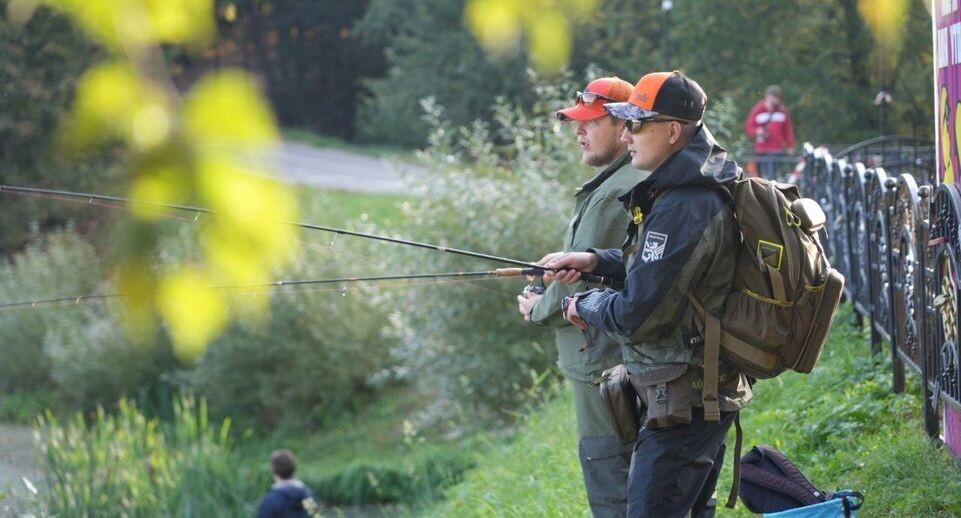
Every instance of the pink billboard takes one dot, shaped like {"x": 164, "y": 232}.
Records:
{"x": 947, "y": 66}
{"x": 947, "y": 80}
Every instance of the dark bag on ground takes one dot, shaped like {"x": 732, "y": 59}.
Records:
{"x": 771, "y": 483}
{"x": 621, "y": 403}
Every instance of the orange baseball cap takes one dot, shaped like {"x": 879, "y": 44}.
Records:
{"x": 662, "y": 93}
{"x": 605, "y": 89}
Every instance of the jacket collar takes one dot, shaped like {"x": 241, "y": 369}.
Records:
{"x": 701, "y": 162}
{"x": 601, "y": 177}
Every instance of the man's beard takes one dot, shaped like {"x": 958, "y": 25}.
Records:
{"x": 601, "y": 158}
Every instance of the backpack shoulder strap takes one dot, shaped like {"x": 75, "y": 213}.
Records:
{"x": 712, "y": 352}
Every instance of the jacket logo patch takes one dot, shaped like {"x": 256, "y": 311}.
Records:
{"x": 654, "y": 244}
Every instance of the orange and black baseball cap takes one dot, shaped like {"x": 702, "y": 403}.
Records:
{"x": 672, "y": 94}
{"x": 589, "y": 104}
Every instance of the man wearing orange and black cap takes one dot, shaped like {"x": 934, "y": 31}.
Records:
{"x": 682, "y": 239}
{"x": 599, "y": 221}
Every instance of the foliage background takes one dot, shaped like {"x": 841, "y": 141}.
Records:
{"x": 404, "y": 72}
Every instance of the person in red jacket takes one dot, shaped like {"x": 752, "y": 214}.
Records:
{"x": 769, "y": 125}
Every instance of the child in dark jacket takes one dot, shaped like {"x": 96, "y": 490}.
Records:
{"x": 288, "y": 497}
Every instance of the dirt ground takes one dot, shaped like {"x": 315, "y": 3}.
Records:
{"x": 18, "y": 458}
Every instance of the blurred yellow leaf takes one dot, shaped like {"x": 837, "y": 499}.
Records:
{"x": 150, "y": 125}
{"x": 550, "y": 41}
{"x": 113, "y": 101}
{"x": 230, "y": 12}
{"x": 135, "y": 280}
{"x": 254, "y": 204}
{"x": 496, "y": 23}
{"x": 105, "y": 19}
{"x": 887, "y": 20}
{"x": 128, "y": 26}
{"x": 194, "y": 311}
{"x": 157, "y": 186}
{"x": 226, "y": 109}
{"x": 185, "y": 21}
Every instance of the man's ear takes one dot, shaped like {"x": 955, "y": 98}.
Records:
{"x": 676, "y": 132}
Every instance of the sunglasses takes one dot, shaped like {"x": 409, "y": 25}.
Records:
{"x": 634, "y": 126}
{"x": 589, "y": 97}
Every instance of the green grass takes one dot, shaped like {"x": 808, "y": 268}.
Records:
{"x": 350, "y": 209}
{"x": 326, "y": 141}
{"x": 534, "y": 474}
{"x": 23, "y": 407}
{"x": 842, "y": 425}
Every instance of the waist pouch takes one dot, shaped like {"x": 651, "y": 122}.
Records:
{"x": 668, "y": 392}
{"x": 620, "y": 403}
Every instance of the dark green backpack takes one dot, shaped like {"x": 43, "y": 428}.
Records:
{"x": 785, "y": 294}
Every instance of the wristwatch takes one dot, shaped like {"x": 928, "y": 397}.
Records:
{"x": 567, "y": 302}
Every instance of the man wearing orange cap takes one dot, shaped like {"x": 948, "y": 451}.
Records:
{"x": 599, "y": 221}
{"x": 682, "y": 241}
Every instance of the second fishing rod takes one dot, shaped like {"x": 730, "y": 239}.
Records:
{"x": 534, "y": 268}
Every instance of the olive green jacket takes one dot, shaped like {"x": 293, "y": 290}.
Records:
{"x": 599, "y": 221}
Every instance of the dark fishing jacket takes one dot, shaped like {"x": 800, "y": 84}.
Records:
{"x": 683, "y": 236}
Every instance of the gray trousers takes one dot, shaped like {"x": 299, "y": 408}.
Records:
{"x": 604, "y": 461}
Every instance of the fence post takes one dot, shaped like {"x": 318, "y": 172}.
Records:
{"x": 897, "y": 381}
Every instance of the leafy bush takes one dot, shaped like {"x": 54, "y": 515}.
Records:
{"x": 418, "y": 478}
{"x": 39, "y": 69}
{"x": 94, "y": 363}
{"x": 127, "y": 464}
{"x": 318, "y": 351}
{"x": 78, "y": 351}
{"x": 464, "y": 340}
{"x": 60, "y": 264}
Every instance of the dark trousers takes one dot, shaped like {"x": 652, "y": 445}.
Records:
{"x": 674, "y": 470}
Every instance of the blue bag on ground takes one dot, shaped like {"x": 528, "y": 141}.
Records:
{"x": 843, "y": 504}
{"x": 772, "y": 484}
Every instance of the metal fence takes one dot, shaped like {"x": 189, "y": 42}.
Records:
{"x": 894, "y": 233}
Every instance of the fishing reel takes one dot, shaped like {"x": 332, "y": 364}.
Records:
{"x": 532, "y": 288}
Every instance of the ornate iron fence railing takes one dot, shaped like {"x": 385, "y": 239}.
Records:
{"x": 895, "y": 234}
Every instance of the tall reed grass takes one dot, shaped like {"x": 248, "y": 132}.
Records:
{"x": 122, "y": 463}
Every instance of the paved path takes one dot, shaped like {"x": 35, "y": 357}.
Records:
{"x": 301, "y": 163}
{"x": 18, "y": 458}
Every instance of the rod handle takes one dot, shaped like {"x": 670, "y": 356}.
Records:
{"x": 588, "y": 277}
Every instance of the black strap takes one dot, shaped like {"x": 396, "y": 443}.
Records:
{"x": 849, "y": 506}
{"x": 736, "y": 483}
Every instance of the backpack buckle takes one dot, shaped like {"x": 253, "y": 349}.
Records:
{"x": 793, "y": 220}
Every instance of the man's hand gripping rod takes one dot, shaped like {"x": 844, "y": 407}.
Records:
{"x": 539, "y": 272}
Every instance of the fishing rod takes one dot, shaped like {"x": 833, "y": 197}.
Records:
{"x": 537, "y": 270}
{"x": 499, "y": 272}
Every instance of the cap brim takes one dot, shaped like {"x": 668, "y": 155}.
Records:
{"x": 581, "y": 112}
{"x": 628, "y": 111}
